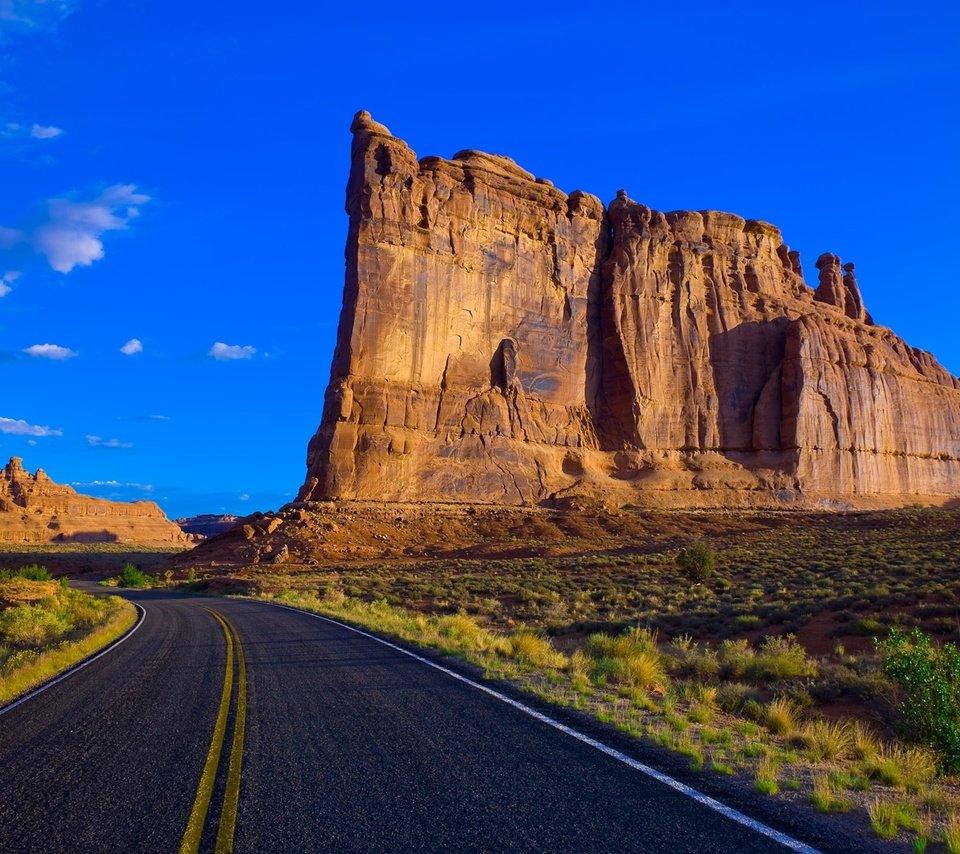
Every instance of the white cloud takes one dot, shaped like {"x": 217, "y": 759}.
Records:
{"x": 19, "y": 427}
{"x": 132, "y": 347}
{"x": 100, "y": 442}
{"x": 145, "y": 487}
{"x": 244, "y": 497}
{"x": 45, "y": 131}
{"x": 31, "y": 442}
{"x": 225, "y": 352}
{"x": 50, "y": 351}
{"x": 70, "y": 237}
{"x": 6, "y": 280}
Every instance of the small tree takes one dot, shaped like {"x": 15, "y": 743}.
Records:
{"x": 696, "y": 562}
{"x": 929, "y": 677}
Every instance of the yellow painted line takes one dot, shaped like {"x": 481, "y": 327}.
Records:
{"x": 201, "y": 803}
{"x": 231, "y": 797}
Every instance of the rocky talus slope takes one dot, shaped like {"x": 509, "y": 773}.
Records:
{"x": 34, "y": 509}
{"x": 504, "y": 342}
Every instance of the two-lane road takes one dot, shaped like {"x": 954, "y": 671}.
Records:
{"x": 347, "y": 745}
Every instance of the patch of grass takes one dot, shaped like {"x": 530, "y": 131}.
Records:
{"x": 826, "y": 799}
{"x": 951, "y": 834}
{"x": 883, "y": 818}
{"x": 826, "y": 740}
{"x": 630, "y": 659}
{"x": 22, "y": 672}
{"x": 909, "y": 768}
{"x": 779, "y": 717}
{"x": 529, "y": 647}
{"x": 765, "y": 780}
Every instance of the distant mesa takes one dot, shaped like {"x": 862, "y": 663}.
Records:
{"x": 34, "y": 509}
{"x": 504, "y": 342}
{"x": 206, "y": 524}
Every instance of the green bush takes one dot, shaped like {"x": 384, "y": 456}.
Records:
{"x": 929, "y": 677}
{"x": 31, "y": 625}
{"x": 696, "y": 562}
{"x": 31, "y": 573}
{"x": 130, "y": 576}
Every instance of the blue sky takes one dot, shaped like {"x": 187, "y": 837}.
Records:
{"x": 173, "y": 174}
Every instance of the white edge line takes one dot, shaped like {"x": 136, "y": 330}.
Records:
{"x": 659, "y": 776}
{"x": 10, "y": 706}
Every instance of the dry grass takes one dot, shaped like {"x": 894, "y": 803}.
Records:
{"x": 41, "y": 666}
{"x": 779, "y": 717}
{"x": 951, "y": 834}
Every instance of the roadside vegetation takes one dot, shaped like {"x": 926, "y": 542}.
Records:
{"x": 133, "y": 577}
{"x": 817, "y": 660}
{"x": 45, "y": 627}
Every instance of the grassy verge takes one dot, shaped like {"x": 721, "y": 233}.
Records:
{"x": 700, "y": 704}
{"x": 46, "y": 628}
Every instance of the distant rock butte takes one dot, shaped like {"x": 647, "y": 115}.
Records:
{"x": 206, "y": 524}
{"x": 34, "y": 509}
{"x": 502, "y": 341}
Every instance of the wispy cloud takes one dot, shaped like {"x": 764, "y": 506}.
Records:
{"x": 132, "y": 347}
{"x": 19, "y": 427}
{"x": 50, "y": 351}
{"x": 69, "y": 234}
{"x": 6, "y": 280}
{"x": 45, "y": 131}
{"x": 244, "y": 497}
{"x": 100, "y": 442}
{"x": 145, "y": 487}
{"x": 33, "y": 15}
{"x": 229, "y": 352}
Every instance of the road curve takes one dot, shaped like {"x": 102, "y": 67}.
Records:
{"x": 349, "y": 746}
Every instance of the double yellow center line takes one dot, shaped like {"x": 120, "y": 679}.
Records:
{"x": 231, "y": 796}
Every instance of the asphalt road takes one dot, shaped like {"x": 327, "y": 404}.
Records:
{"x": 348, "y": 746}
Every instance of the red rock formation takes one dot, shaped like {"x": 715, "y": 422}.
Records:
{"x": 34, "y": 509}
{"x": 502, "y": 341}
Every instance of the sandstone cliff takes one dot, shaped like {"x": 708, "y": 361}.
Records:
{"x": 502, "y": 341}
{"x": 34, "y": 509}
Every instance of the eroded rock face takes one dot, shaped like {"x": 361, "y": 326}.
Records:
{"x": 34, "y": 509}
{"x": 502, "y": 341}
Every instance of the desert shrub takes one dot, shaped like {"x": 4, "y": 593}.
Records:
{"x": 31, "y": 573}
{"x": 731, "y": 696}
{"x": 31, "y": 625}
{"x": 630, "y": 659}
{"x": 826, "y": 739}
{"x": 780, "y": 657}
{"x": 531, "y": 647}
{"x": 908, "y": 768}
{"x": 734, "y": 657}
{"x": 693, "y": 659}
{"x": 929, "y": 679}
{"x": 780, "y": 717}
{"x": 130, "y": 576}
{"x": 696, "y": 562}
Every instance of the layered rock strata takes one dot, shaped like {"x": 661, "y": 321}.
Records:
{"x": 34, "y": 509}
{"x": 502, "y": 341}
